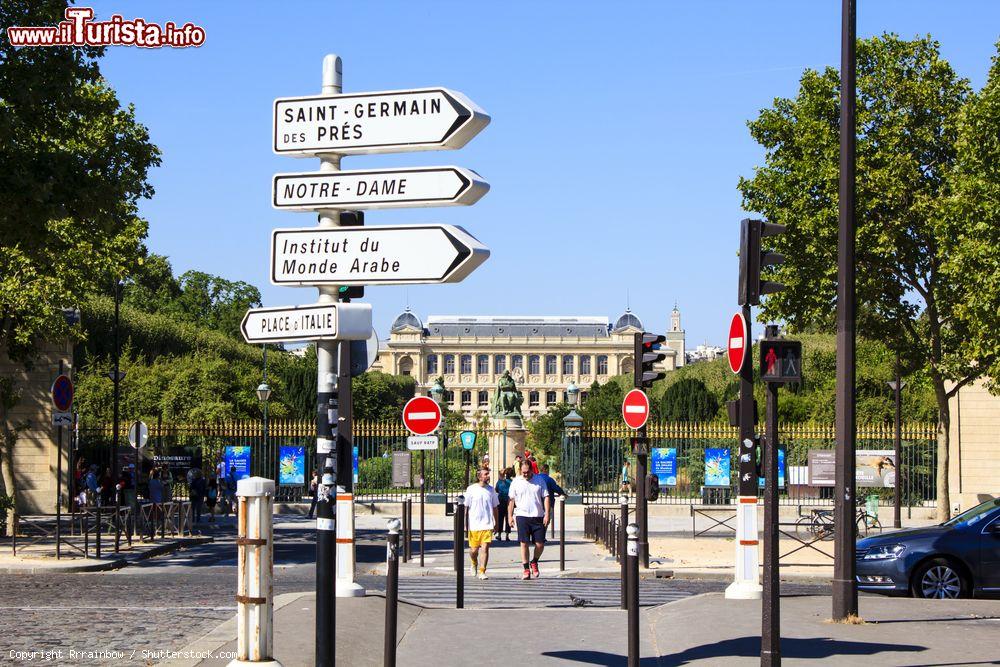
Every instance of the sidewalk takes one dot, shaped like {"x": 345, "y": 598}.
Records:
{"x": 700, "y": 630}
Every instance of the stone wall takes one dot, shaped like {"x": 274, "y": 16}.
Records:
{"x": 975, "y": 446}
{"x": 35, "y": 454}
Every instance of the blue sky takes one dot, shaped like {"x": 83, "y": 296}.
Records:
{"x": 609, "y": 120}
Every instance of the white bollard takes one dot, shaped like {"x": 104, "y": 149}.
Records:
{"x": 255, "y": 572}
{"x": 746, "y": 574}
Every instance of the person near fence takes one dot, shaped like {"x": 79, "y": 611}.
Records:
{"x": 93, "y": 487}
{"x": 551, "y": 486}
{"x": 482, "y": 501}
{"x": 167, "y": 480}
{"x": 128, "y": 485}
{"x": 230, "y": 492}
{"x": 211, "y": 496}
{"x": 528, "y": 456}
{"x": 79, "y": 482}
{"x": 503, "y": 494}
{"x": 626, "y": 478}
{"x": 196, "y": 493}
{"x": 156, "y": 501}
{"x": 313, "y": 492}
{"x": 529, "y": 508}
{"x": 108, "y": 488}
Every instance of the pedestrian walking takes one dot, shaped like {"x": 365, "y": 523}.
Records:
{"x": 212, "y": 497}
{"x": 156, "y": 500}
{"x": 230, "y": 491}
{"x": 551, "y": 486}
{"x": 529, "y": 508}
{"x": 313, "y": 492}
{"x": 482, "y": 501}
{"x": 503, "y": 493}
{"x": 197, "y": 488}
{"x": 93, "y": 487}
{"x": 108, "y": 488}
{"x": 626, "y": 486}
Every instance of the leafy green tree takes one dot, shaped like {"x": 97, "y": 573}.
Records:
{"x": 380, "y": 396}
{"x": 73, "y": 165}
{"x": 688, "y": 400}
{"x": 910, "y": 113}
{"x": 604, "y": 402}
{"x": 545, "y": 434}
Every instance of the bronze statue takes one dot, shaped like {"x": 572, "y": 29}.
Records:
{"x": 507, "y": 399}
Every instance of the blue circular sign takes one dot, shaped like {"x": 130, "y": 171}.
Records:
{"x": 62, "y": 393}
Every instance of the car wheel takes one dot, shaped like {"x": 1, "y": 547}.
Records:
{"x": 938, "y": 579}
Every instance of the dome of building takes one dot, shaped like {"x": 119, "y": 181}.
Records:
{"x": 627, "y": 320}
{"x": 406, "y": 319}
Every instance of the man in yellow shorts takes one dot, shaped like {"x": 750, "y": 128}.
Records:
{"x": 482, "y": 502}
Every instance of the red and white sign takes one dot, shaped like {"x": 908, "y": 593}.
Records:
{"x": 635, "y": 408}
{"x": 421, "y": 415}
{"x": 738, "y": 343}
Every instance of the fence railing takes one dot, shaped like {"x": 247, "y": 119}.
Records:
{"x": 590, "y": 462}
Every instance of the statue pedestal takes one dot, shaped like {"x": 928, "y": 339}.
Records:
{"x": 507, "y": 439}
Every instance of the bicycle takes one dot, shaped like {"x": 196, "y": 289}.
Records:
{"x": 820, "y": 524}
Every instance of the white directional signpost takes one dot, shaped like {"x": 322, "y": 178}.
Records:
{"x": 334, "y": 255}
{"x": 387, "y": 255}
{"x": 379, "y": 188}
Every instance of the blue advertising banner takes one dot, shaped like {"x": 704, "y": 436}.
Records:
{"x": 354, "y": 464}
{"x": 238, "y": 460}
{"x": 292, "y": 466}
{"x": 781, "y": 471}
{"x": 717, "y": 465}
{"x": 664, "y": 465}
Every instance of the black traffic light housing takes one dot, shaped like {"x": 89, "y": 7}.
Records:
{"x": 646, "y": 353}
{"x": 351, "y": 219}
{"x": 752, "y": 259}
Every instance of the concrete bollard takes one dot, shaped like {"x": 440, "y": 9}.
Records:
{"x": 255, "y": 572}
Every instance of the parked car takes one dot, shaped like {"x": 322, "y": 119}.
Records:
{"x": 958, "y": 558}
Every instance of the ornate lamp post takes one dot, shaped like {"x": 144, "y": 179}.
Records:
{"x": 264, "y": 393}
{"x": 438, "y": 394}
{"x": 572, "y": 426}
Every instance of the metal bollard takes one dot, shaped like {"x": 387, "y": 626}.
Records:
{"x": 623, "y": 561}
{"x": 97, "y": 545}
{"x": 255, "y": 569}
{"x": 633, "y": 594}
{"x": 459, "y": 552}
{"x": 391, "y": 593}
{"x": 406, "y": 531}
{"x": 562, "y": 533}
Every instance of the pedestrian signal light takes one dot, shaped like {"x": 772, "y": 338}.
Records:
{"x": 780, "y": 361}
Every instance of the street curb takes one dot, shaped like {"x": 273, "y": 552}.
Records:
{"x": 115, "y": 564}
{"x": 225, "y": 632}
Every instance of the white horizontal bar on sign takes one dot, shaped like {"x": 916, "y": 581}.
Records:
{"x": 421, "y": 415}
{"x": 639, "y": 409}
{"x": 736, "y": 343}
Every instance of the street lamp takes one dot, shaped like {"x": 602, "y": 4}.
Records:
{"x": 264, "y": 393}
{"x": 897, "y": 388}
{"x": 572, "y": 426}
{"x": 438, "y": 394}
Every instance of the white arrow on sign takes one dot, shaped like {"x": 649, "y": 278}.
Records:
{"x": 321, "y": 321}
{"x": 378, "y": 188}
{"x": 382, "y": 122}
{"x": 385, "y": 255}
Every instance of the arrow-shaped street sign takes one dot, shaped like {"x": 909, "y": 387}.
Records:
{"x": 385, "y": 255}
{"x": 378, "y": 188}
{"x": 382, "y": 122}
{"x": 320, "y": 321}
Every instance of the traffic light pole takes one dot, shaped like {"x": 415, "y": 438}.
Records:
{"x": 845, "y": 592}
{"x": 770, "y": 646}
{"x": 640, "y": 448}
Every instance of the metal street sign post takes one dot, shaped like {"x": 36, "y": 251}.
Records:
{"x": 386, "y": 255}
{"x": 394, "y": 121}
{"x": 378, "y": 188}
{"x": 321, "y": 321}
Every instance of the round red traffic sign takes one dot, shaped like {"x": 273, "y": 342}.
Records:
{"x": 738, "y": 344}
{"x": 62, "y": 393}
{"x": 635, "y": 408}
{"x": 421, "y": 415}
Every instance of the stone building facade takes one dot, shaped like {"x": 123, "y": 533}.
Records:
{"x": 544, "y": 354}
{"x": 974, "y": 473}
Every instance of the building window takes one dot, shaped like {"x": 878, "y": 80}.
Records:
{"x": 583, "y": 397}
{"x": 405, "y": 366}
{"x": 483, "y": 398}
{"x": 567, "y": 364}
{"x": 602, "y": 364}
{"x": 585, "y": 365}
{"x": 483, "y": 364}
{"x": 449, "y": 397}
{"x": 533, "y": 399}
{"x": 550, "y": 398}
{"x": 466, "y": 363}
{"x": 432, "y": 364}
{"x": 499, "y": 364}
{"x": 466, "y": 399}
{"x": 627, "y": 365}
{"x": 534, "y": 366}
{"x": 517, "y": 361}
{"x": 449, "y": 364}
{"x": 550, "y": 364}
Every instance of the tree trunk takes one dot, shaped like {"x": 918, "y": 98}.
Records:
{"x": 8, "y": 436}
{"x": 943, "y": 447}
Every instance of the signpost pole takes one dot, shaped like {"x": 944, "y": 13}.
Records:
{"x": 346, "y": 585}
{"x": 59, "y": 458}
{"x": 423, "y": 459}
{"x": 325, "y": 440}
{"x": 114, "y": 435}
{"x": 845, "y": 592}
{"x": 770, "y": 647}
{"x": 898, "y": 446}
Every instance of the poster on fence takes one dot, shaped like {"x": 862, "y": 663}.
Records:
{"x": 873, "y": 467}
{"x": 292, "y": 466}
{"x": 781, "y": 470}
{"x": 664, "y": 465}
{"x": 717, "y": 467}
{"x": 354, "y": 464}
{"x": 237, "y": 459}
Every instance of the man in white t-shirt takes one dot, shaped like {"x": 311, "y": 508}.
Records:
{"x": 529, "y": 507}
{"x": 482, "y": 502}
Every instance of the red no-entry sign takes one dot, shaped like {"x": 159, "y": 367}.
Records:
{"x": 635, "y": 408}
{"x": 421, "y": 415}
{"x": 738, "y": 343}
